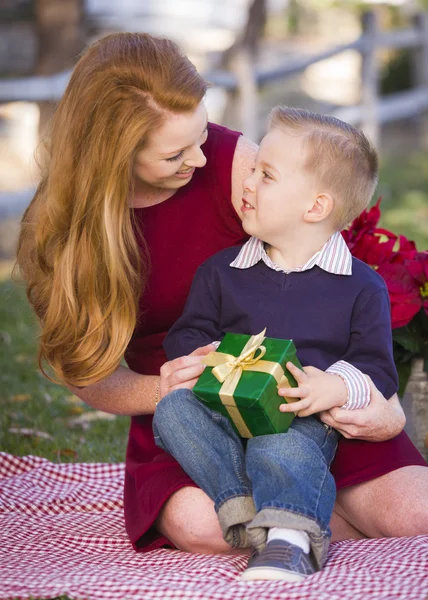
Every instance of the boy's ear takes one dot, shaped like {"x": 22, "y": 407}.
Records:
{"x": 321, "y": 208}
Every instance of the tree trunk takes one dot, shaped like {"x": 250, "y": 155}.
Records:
{"x": 241, "y": 106}
{"x": 60, "y": 40}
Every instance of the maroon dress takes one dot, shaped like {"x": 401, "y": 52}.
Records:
{"x": 182, "y": 232}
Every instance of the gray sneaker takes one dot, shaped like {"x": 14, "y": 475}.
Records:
{"x": 279, "y": 560}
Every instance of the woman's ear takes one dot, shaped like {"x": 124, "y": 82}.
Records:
{"x": 321, "y": 209}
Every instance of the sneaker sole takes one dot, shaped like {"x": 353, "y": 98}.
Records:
{"x": 271, "y": 574}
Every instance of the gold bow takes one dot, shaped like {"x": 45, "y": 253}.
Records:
{"x": 228, "y": 370}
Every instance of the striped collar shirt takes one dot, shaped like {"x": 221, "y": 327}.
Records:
{"x": 334, "y": 257}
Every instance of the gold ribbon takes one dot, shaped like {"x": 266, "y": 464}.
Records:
{"x": 228, "y": 370}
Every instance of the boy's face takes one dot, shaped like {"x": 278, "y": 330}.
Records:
{"x": 280, "y": 191}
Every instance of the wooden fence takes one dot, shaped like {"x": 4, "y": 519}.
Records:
{"x": 244, "y": 81}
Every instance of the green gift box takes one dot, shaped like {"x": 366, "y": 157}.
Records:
{"x": 241, "y": 382}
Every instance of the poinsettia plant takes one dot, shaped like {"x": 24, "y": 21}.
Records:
{"x": 405, "y": 271}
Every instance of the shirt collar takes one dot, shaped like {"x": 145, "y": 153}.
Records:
{"x": 334, "y": 257}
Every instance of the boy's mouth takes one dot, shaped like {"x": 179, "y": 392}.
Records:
{"x": 246, "y": 205}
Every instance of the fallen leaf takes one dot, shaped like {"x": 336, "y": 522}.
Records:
{"x": 73, "y": 400}
{"x": 75, "y": 410}
{"x": 30, "y": 433}
{"x": 21, "y": 397}
{"x": 66, "y": 452}
{"x": 89, "y": 417}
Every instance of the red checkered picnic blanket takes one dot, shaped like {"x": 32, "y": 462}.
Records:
{"x": 62, "y": 532}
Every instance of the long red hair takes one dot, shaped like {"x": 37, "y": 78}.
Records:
{"x": 77, "y": 249}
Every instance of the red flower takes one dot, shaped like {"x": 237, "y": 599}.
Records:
{"x": 418, "y": 268}
{"x": 396, "y": 259}
{"x": 404, "y": 293}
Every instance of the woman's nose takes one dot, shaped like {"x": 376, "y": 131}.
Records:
{"x": 197, "y": 158}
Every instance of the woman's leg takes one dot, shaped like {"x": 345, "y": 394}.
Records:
{"x": 341, "y": 529}
{"x": 393, "y": 505}
{"x": 189, "y": 520}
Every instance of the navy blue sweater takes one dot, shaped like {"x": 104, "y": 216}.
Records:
{"x": 329, "y": 317}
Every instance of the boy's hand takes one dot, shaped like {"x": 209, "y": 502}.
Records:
{"x": 317, "y": 391}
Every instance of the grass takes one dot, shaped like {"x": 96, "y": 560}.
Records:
{"x": 403, "y": 183}
{"x": 31, "y": 402}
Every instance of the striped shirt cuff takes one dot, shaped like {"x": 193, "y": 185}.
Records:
{"x": 356, "y": 384}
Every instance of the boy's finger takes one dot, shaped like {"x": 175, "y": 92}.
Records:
{"x": 307, "y": 412}
{"x": 295, "y": 406}
{"x": 299, "y": 375}
{"x": 294, "y": 392}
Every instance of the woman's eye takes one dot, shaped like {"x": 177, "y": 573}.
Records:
{"x": 174, "y": 157}
{"x": 265, "y": 174}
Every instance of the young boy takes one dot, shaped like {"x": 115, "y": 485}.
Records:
{"x": 295, "y": 276}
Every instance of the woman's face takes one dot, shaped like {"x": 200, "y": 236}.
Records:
{"x": 173, "y": 151}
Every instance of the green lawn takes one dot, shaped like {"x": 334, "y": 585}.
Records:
{"x": 31, "y": 402}
{"x": 403, "y": 183}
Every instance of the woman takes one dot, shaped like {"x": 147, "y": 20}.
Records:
{"x": 139, "y": 190}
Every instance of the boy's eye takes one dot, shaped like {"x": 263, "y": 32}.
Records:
{"x": 175, "y": 157}
{"x": 266, "y": 174}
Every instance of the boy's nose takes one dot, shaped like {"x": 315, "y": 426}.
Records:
{"x": 248, "y": 184}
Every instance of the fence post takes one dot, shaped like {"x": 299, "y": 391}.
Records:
{"x": 370, "y": 79}
{"x": 244, "y": 99}
{"x": 420, "y": 70}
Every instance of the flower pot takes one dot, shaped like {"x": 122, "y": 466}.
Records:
{"x": 415, "y": 406}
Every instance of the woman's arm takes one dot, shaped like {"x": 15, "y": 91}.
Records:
{"x": 381, "y": 420}
{"x": 125, "y": 392}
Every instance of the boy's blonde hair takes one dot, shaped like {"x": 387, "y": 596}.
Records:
{"x": 340, "y": 156}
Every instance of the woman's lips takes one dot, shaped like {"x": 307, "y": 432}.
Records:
{"x": 185, "y": 174}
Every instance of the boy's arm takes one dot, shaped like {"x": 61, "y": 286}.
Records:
{"x": 370, "y": 349}
{"x": 199, "y": 323}
{"x": 369, "y": 353}
{"x": 356, "y": 384}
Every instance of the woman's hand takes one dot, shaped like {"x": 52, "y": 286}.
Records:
{"x": 381, "y": 420}
{"x": 182, "y": 372}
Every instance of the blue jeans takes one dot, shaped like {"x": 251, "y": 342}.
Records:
{"x": 279, "y": 480}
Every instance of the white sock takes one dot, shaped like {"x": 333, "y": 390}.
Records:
{"x": 292, "y": 536}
